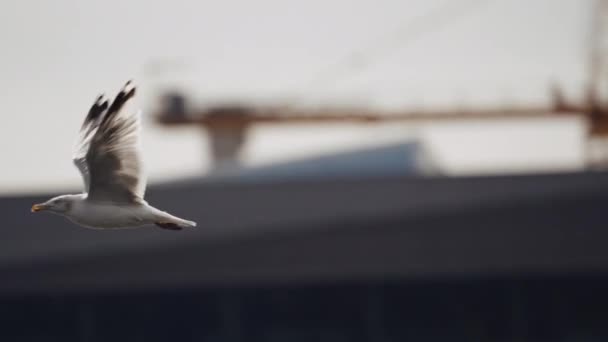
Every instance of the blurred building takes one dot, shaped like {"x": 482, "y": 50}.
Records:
{"x": 394, "y": 160}
{"x": 510, "y": 258}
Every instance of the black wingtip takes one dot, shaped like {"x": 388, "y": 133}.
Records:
{"x": 100, "y": 105}
{"x": 128, "y": 90}
{"x": 124, "y": 95}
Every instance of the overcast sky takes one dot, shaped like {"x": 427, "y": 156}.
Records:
{"x": 57, "y": 56}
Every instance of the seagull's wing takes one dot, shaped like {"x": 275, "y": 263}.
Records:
{"x": 108, "y": 154}
{"x": 87, "y": 131}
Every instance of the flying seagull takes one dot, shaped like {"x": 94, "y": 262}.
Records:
{"x": 107, "y": 156}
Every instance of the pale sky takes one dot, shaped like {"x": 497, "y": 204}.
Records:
{"x": 57, "y": 56}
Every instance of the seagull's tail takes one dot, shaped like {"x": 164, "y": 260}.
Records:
{"x": 184, "y": 223}
{"x": 187, "y": 224}
{"x": 171, "y": 222}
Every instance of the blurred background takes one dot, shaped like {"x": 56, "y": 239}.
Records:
{"x": 359, "y": 170}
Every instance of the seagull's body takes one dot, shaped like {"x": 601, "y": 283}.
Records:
{"x": 99, "y": 215}
{"x": 108, "y": 159}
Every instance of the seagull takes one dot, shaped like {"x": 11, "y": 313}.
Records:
{"x": 107, "y": 156}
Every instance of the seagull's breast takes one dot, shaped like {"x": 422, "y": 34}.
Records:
{"x": 107, "y": 215}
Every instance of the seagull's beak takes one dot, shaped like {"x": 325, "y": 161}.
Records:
{"x": 38, "y": 207}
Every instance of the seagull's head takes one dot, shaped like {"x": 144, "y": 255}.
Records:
{"x": 57, "y": 205}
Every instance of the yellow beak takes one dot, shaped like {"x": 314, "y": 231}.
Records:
{"x": 38, "y": 207}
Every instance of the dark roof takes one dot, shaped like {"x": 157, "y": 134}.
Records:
{"x": 324, "y": 230}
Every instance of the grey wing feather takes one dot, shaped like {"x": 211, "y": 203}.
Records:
{"x": 108, "y": 154}
{"x": 87, "y": 131}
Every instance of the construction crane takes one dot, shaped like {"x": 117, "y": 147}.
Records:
{"x": 227, "y": 125}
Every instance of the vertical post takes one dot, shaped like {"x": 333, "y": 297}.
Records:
{"x": 374, "y": 314}
{"x": 598, "y": 45}
{"x": 86, "y": 321}
{"x": 225, "y": 143}
{"x": 230, "y": 316}
{"x": 227, "y": 127}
